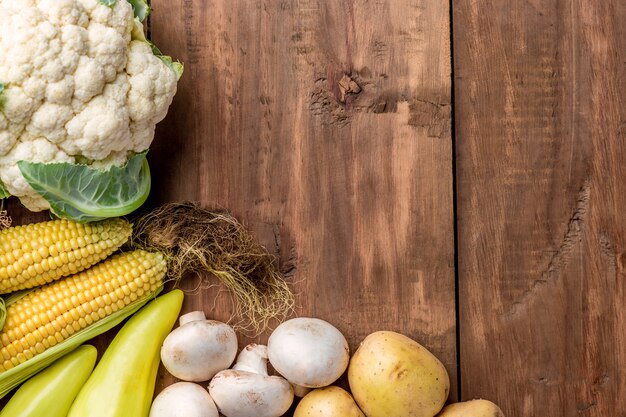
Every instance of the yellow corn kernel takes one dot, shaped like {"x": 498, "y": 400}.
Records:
{"x": 39, "y": 253}
{"x": 29, "y": 330}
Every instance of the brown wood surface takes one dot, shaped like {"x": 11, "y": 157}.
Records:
{"x": 540, "y": 118}
{"x": 325, "y": 127}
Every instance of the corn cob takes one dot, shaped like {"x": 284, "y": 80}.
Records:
{"x": 36, "y": 254}
{"x": 52, "y": 314}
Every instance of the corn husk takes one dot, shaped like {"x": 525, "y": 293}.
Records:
{"x": 15, "y": 376}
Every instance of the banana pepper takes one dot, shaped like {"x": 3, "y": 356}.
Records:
{"x": 122, "y": 385}
{"x": 50, "y": 393}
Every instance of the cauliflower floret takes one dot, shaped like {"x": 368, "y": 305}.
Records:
{"x": 88, "y": 79}
{"x": 149, "y": 97}
{"x": 63, "y": 13}
{"x": 76, "y": 86}
{"x": 108, "y": 49}
{"x": 60, "y": 92}
{"x": 102, "y": 126}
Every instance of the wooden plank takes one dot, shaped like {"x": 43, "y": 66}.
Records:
{"x": 325, "y": 127}
{"x": 540, "y": 118}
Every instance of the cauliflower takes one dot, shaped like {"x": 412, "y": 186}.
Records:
{"x": 79, "y": 84}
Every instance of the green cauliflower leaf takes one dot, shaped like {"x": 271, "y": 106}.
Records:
{"x": 2, "y": 98}
{"x": 3, "y": 192}
{"x": 140, "y": 8}
{"x": 86, "y": 194}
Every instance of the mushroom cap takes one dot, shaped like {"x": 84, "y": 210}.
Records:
{"x": 199, "y": 349}
{"x": 309, "y": 352}
{"x": 245, "y": 394}
{"x": 183, "y": 399}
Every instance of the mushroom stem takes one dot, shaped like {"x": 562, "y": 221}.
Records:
{"x": 246, "y": 389}
{"x": 193, "y": 316}
{"x": 299, "y": 390}
{"x": 253, "y": 358}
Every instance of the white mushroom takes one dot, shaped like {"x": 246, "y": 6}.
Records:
{"x": 199, "y": 348}
{"x": 309, "y": 352}
{"x": 247, "y": 390}
{"x": 183, "y": 399}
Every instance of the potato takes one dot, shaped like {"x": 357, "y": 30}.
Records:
{"x": 391, "y": 375}
{"x": 328, "y": 402}
{"x": 474, "y": 408}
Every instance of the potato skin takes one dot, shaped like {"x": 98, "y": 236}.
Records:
{"x": 328, "y": 402}
{"x": 391, "y": 375}
{"x": 473, "y": 408}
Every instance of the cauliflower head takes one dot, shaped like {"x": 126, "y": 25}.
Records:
{"x": 79, "y": 84}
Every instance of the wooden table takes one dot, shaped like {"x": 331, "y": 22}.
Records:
{"x": 476, "y": 207}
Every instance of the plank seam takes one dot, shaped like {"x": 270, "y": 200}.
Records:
{"x": 457, "y": 293}
{"x": 149, "y": 22}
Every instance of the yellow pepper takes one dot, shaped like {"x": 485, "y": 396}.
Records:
{"x": 50, "y": 393}
{"x": 122, "y": 385}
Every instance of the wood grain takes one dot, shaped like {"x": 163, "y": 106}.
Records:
{"x": 540, "y": 119}
{"x": 325, "y": 127}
